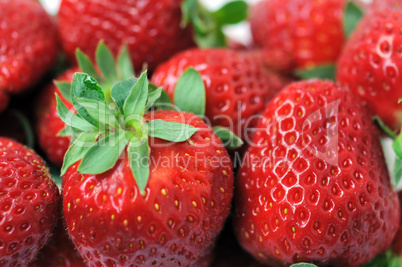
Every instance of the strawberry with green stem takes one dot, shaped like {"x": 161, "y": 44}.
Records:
{"x": 123, "y": 204}
{"x": 48, "y": 124}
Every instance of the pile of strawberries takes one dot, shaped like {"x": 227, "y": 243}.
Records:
{"x": 160, "y": 142}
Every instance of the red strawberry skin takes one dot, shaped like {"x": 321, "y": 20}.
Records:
{"x": 186, "y": 203}
{"x": 371, "y": 62}
{"x": 397, "y": 244}
{"x": 379, "y": 5}
{"x": 237, "y": 84}
{"x": 28, "y": 45}
{"x": 59, "y": 251}
{"x": 150, "y": 28}
{"x": 308, "y": 31}
{"x": 48, "y": 123}
{"x": 29, "y": 204}
{"x": 293, "y": 206}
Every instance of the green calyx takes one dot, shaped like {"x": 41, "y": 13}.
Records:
{"x": 208, "y": 25}
{"x": 351, "y": 17}
{"x": 386, "y": 259}
{"x": 323, "y": 72}
{"x": 397, "y": 147}
{"x": 110, "y": 72}
{"x": 110, "y": 118}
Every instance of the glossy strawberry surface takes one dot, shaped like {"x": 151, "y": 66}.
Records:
{"x": 308, "y": 32}
{"x": 150, "y": 28}
{"x": 29, "y": 202}
{"x": 28, "y": 45}
{"x": 371, "y": 63}
{"x": 48, "y": 124}
{"x": 237, "y": 84}
{"x": 175, "y": 222}
{"x": 314, "y": 186}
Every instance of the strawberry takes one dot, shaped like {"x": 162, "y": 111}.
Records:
{"x": 314, "y": 185}
{"x": 171, "y": 223}
{"x": 237, "y": 84}
{"x": 145, "y": 26}
{"x": 28, "y": 46}
{"x": 141, "y": 188}
{"x": 59, "y": 251}
{"x": 306, "y": 33}
{"x": 370, "y": 63}
{"x": 29, "y": 202}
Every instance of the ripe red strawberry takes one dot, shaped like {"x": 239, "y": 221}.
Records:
{"x": 370, "y": 64}
{"x": 314, "y": 185}
{"x": 150, "y": 28}
{"x": 151, "y": 189}
{"x": 182, "y": 212}
{"x": 237, "y": 84}
{"x": 28, "y": 45}
{"x": 309, "y": 32}
{"x": 29, "y": 204}
{"x": 48, "y": 123}
{"x": 59, "y": 251}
